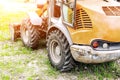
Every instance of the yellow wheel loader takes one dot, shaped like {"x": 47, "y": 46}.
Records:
{"x": 35, "y": 26}
{"x": 86, "y": 31}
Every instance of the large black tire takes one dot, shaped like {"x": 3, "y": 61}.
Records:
{"x": 59, "y": 51}
{"x": 29, "y": 34}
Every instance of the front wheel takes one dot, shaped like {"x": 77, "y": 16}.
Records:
{"x": 59, "y": 51}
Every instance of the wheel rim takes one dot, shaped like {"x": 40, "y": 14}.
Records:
{"x": 55, "y": 51}
{"x": 25, "y": 35}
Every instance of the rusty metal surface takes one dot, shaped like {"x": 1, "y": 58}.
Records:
{"x": 14, "y": 31}
{"x": 86, "y": 54}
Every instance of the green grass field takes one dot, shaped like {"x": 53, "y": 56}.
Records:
{"x": 20, "y": 63}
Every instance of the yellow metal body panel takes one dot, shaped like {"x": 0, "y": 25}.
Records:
{"x": 103, "y": 26}
{"x": 40, "y": 11}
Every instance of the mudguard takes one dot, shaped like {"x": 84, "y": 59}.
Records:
{"x": 60, "y": 26}
{"x": 35, "y": 19}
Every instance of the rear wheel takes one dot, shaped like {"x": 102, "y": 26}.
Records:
{"x": 29, "y": 34}
{"x": 59, "y": 51}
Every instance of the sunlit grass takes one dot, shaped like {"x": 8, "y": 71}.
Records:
{"x": 13, "y": 49}
{"x": 4, "y": 77}
{"x": 12, "y": 13}
{"x": 109, "y": 70}
{"x": 5, "y": 20}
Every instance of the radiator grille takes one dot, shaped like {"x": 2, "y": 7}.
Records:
{"x": 111, "y": 10}
{"x": 82, "y": 19}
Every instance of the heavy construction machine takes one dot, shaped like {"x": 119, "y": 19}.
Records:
{"x": 86, "y": 31}
{"x": 35, "y": 26}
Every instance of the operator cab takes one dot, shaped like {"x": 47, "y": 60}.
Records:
{"x": 54, "y": 9}
{"x": 62, "y": 9}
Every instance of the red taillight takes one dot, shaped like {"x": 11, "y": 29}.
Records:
{"x": 95, "y": 44}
